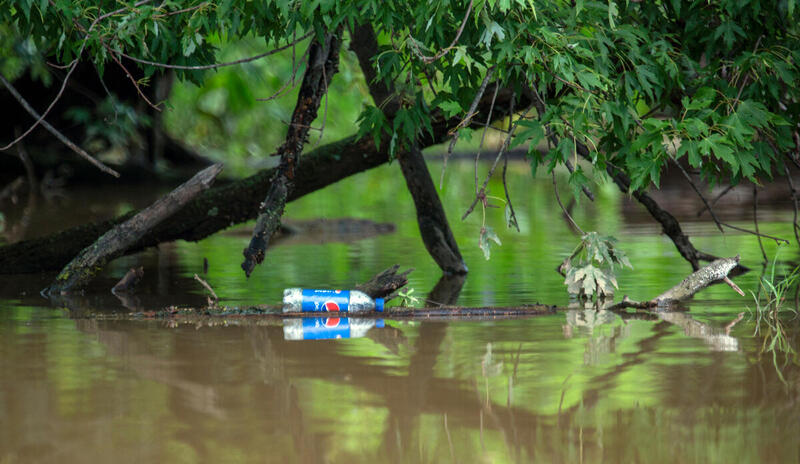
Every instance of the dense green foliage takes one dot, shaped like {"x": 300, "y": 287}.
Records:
{"x": 638, "y": 83}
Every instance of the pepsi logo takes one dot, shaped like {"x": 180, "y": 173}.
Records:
{"x": 331, "y": 306}
{"x": 332, "y": 322}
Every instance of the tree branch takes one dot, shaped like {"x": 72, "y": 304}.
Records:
{"x": 323, "y": 64}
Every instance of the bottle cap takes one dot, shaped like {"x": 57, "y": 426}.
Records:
{"x": 379, "y": 323}
{"x": 378, "y": 304}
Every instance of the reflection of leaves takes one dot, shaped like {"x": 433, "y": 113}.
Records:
{"x": 490, "y": 367}
{"x": 487, "y": 233}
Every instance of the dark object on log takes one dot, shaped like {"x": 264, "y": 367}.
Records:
{"x": 433, "y": 225}
{"x": 129, "y": 281}
{"x": 385, "y": 284}
{"x": 118, "y": 240}
{"x": 322, "y": 65}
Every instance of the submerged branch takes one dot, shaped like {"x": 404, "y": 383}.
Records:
{"x": 82, "y": 269}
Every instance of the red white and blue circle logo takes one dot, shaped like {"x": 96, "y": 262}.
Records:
{"x": 331, "y": 306}
{"x": 331, "y": 322}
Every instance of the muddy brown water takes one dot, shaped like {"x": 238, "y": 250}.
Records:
{"x": 574, "y": 386}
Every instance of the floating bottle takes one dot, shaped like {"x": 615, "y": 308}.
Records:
{"x": 327, "y": 328}
{"x": 297, "y": 300}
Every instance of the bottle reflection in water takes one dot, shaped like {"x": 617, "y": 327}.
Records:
{"x": 327, "y": 328}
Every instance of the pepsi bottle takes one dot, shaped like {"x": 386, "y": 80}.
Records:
{"x": 297, "y": 300}
{"x": 327, "y": 328}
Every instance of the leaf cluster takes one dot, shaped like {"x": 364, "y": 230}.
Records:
{"x": 590, "y": 269}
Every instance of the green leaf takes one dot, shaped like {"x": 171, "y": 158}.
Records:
{"x": 534, "y": 133}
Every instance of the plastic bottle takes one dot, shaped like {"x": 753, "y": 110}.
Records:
{"x": 297, "y": 300}
{"x": 327, "y": 328}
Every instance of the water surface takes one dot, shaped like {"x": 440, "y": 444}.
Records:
{"x": 575, "y": 386}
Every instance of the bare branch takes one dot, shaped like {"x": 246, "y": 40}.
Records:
{"x": 135, "y": 84}
{"x": 486, "y": 125}
{"x": 699, "y": 194}
{"x": 443, "y": 52}
{"x": 795, "y": 226}
{"x": 210, "y": 66}
{"x": 482, "y": 192}
{"x": 207, "y": 287}
{"x": 53, "y": 130}
{"x": 465, "y": 122}
{"x": 291, "y": 80}
{"x": 755, "y": 222}
{"x": 566, "y": 213}
{"x": 715, "y": 200}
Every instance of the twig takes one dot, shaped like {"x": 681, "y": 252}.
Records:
{"x": 755, "y": 222}
{"x": 558, "y": 199}
{"x": 715, "y": 200}
{"x": 697, "y": 191}
{"x": 53, "y": 130}
{"x": 40, "y": 119}
{"x": 747, "y": 76}
{"x": 185, "y": 10}
{"x": 135, "y": 84}
{"x": 465, "y": 122}
{"x": 72, "y": 66}
{"x": 207, "y": 287}
{"x": 795, "y": 226}
{"x": 291, "y": 80}
{"x": 443, "y": 52}
{"x": 512, "y": 218}
{"x": 483, "y": 134}
{"x": 210, "y": 66}
{"x": 481, "y": 194}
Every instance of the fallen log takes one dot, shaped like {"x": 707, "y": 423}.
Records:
{"x": 82, "y": 269}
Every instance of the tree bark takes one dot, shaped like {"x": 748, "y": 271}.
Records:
{"x": 432, "y": 221}
{"x": 431, "y": 218}
{"x": 82, "y": 269}
{"x": 322, "y": 65}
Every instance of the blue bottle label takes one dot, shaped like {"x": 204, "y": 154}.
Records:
{"x": 325, "y": 328}
{"x": 325, "y": 300}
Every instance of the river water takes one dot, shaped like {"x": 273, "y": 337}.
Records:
{"x": 573, "y": 386}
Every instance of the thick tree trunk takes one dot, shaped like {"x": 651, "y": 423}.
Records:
{"x": 433, "y": 225}
{"x": 323, "y": 63}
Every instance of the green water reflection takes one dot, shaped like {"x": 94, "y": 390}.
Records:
{"x": 569, "y": 387}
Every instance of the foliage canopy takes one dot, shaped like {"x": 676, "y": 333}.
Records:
{"x": 638, "y": 83}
